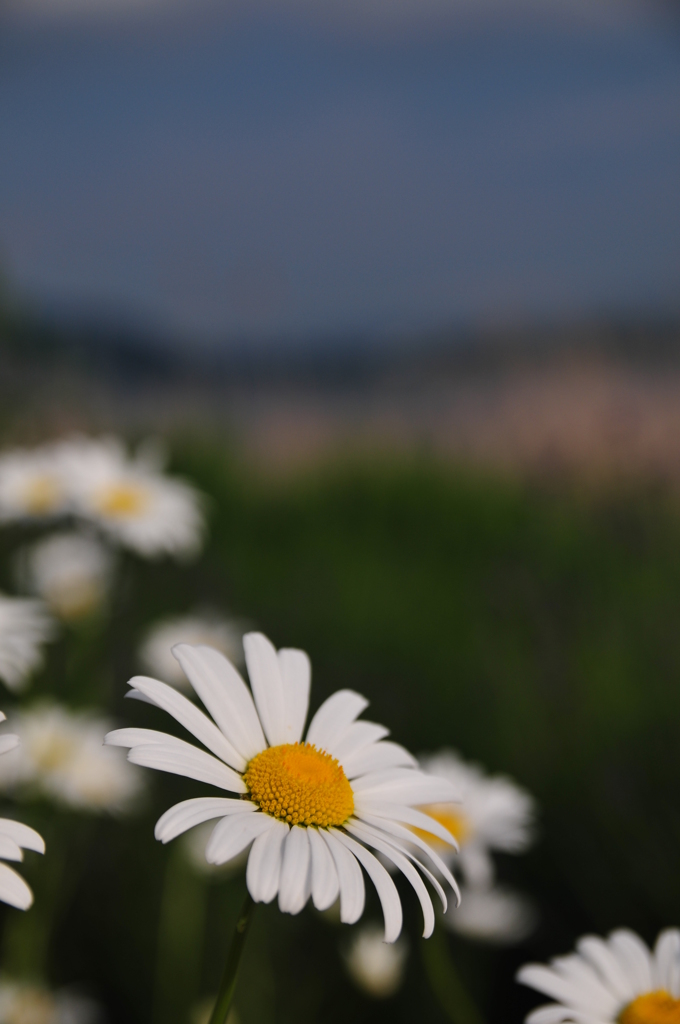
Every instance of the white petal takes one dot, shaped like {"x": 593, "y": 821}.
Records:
{"x": 294, "y": 887}
{"x": 225, "y": 695}
{"x": 553, "y": 1013}
{"x": 3, "y": 716}
{"x": 264, "y": 863}
{"x": 26, "y": 837}
{"x": 408, "y": 815}
{"x": 333, "y": 718}
{"x": 369, "y": 837}
{"x": 134, "y": 737}
{"x": 191, "y": 717}
{"x": 10, "y": 849}
{"x": 181, "y": 758}
{"x": 667, "y": 961}
{"x": 634, "y": 956}
{"x": 593, "y": 994}
{"x": 8, "y": 742}
{"x": 189, "y": 813}
{"x": 350, "y": 878}
{"x": 136, "y": 695}
{"x": 597, "y": 952}
{"x": 267, "y": 685}
{"x": 358, "y": 736}
{"x": 385, "y": 887}
{"x": 233, "y": 834}
{"x": 13, "y": 889}
{"x": 296, "y": 675}
{"x": 325, "y": 882}
{"x": 393, "y": 828}
{"x": 550, "y": 983}
{"x": 405, "y": 786}
{"x": 381, "y": 755}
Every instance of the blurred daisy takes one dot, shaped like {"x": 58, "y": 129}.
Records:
{"x": 24, "y": 1003}
{"x": 206, "y": 630}
{"x": 132, "y": 500}
{"x": 71, "y": 571}
{"x": 374, "y": 966}
{"x": 496, "y": 914}
{"x": 32, "y": 484}
{"x": 310, "y": 809}
{"x": 62, "y": 757}
{"x": 24, "y": 627}
{"x": 617, "y": 980}
{"x": 493, "y": 814}
{"x": 14, "y": 838}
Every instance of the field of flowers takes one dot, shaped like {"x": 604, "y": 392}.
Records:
{"x": 522, "y": 643}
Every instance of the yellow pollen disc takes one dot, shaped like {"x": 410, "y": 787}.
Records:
{"x": 41, "y": 495}
{"x": 452, "y": 819}
{"x": 122, "y": 500}
{"x": 653, "y": 1008}
{"x": 299, "y": 784}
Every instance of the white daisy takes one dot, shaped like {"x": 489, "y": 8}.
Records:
{"x": 310, "y": 809}
{"x": 24, "y": 627}
{"x": 14, "y": 838}
{"x": 496, "y": 914}
{"x": 62, "y": 756}
{"x": 132, "y": 500}
{"x": 617, "y": 980}
{"x": 71, "y": 571}
{"x": 32, "y": 484}
{"x": 26, "y": 1003}
{"x": 208, "y": 630}
{"x": 493, "y": 814}
{"x": 375, "y": 966}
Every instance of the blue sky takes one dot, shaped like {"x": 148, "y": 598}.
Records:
{"x": 273, "y": 175}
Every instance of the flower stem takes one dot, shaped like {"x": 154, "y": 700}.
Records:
{"x": 228, "y": 984}
{"x": 446, "y": 983}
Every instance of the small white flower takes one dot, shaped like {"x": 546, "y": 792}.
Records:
{"x": 71, "y": 571}
{"x": 307, "y": 810}
{"x": 24, "y": 627}
{"x": 132, "y": 500}
{"x": 24, "y": 1003}
{"x": 493, "y": 813}
{"x": 32, "y": 484}
{"x": 14, "y": 838}
{"x": 374, "y": 965}
{"x": 496, "y": 914}
{"x": 198, "y": 629}
{"x": 62, "y": 757}
{"x": 617, "y": 980}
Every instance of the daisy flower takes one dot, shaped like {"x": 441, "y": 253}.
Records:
{"x": 71, "y": 571}
{"x": 14, "y": 838}
{"x": 62, "y": 757}
{"x": 493, "y": 814}
{"x": 32, "y": 484}
{"x": 208, "y": 630}
{"x": 26, "y": 1003}
{"x": 24, "y": 627}
{"x": 373, "y": 965}
{"x": 131, "y": 500}
{"x": 617, "y": 980}
{"x": 495, "y": 914}
{"x": 311, "y": 809}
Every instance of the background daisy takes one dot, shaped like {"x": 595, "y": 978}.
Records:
{"x": 25, "y": 626}
{"x": 205, "y": 628}
{"x": 14, "y": 838}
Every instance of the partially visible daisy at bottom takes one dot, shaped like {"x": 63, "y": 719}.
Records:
{"x": 14, "y": 839}
{"x": 199, "y": 628}
{"x": 374, "y": 966}
{"x": 309, "y": 810}
{"x": 71, "y": 570}
{"x": 25, "y": 1003}
{"x": 62, "y": 757}
{"x": 617, "y": 980}
{"x": 25, "y": 626}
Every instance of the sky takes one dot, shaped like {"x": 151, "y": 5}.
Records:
{"x": 296, "y": 170}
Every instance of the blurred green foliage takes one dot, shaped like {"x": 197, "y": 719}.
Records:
{"x": 536, "y": 631}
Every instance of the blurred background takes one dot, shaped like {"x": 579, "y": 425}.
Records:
{"x": 397, "y": 283}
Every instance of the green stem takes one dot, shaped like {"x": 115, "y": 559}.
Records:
{"x": 228, "y": 984}
{"x": 446, "y": 983}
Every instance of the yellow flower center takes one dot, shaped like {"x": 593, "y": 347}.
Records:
{"x": 451, "y": 818}
{"x": 652, "y": 1008}
{"x": 41, "y": 495}
{"x": 122, "y": 500}
{"x": 299, "y": 784}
